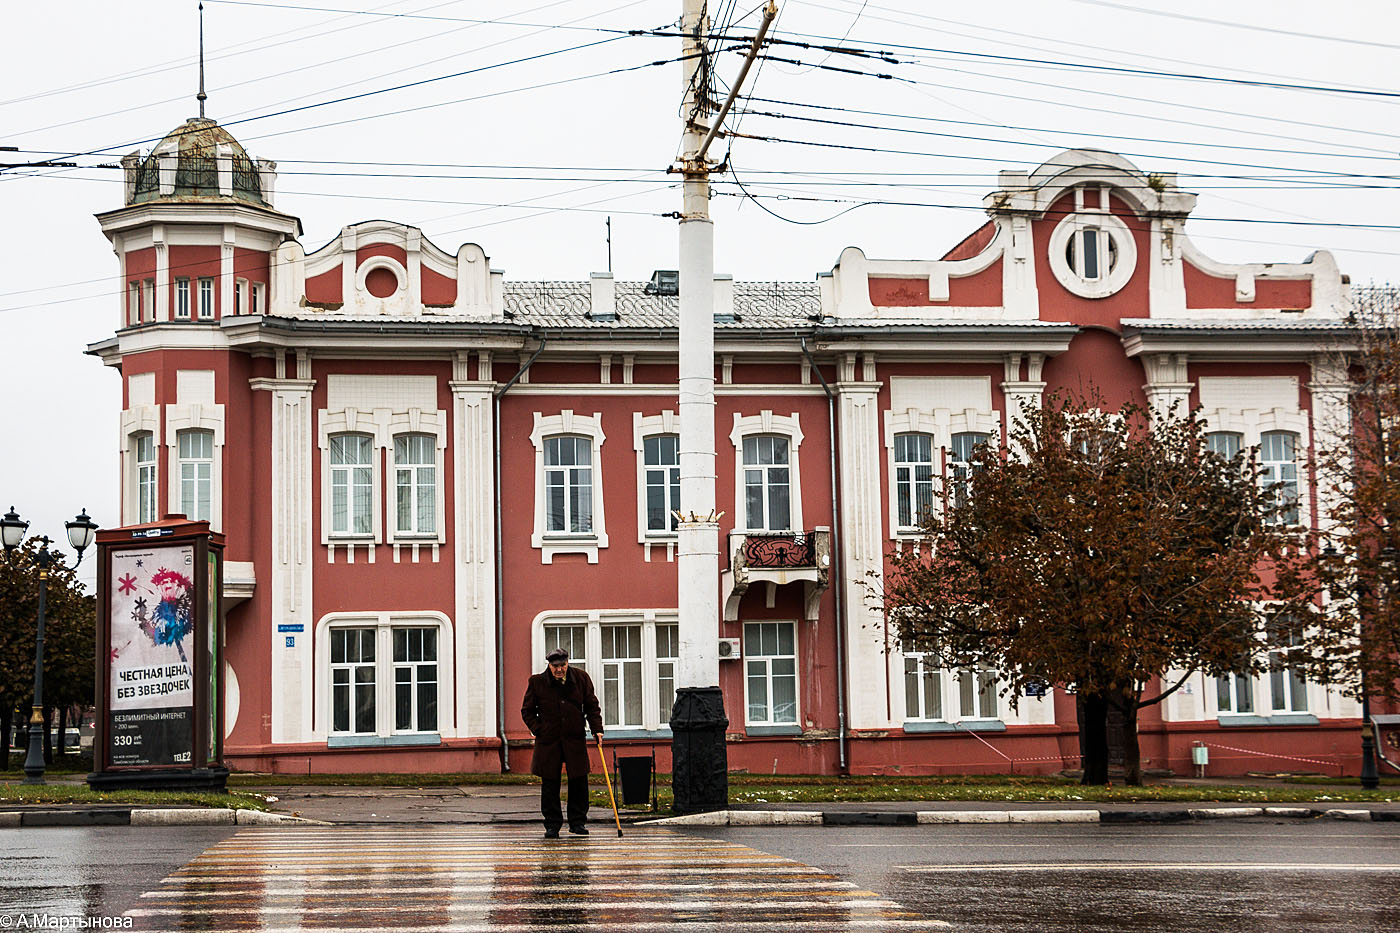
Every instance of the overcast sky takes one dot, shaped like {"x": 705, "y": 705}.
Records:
{"x": 529, "y": 157}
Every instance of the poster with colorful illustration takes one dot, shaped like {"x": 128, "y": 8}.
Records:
{"x": 152, "y": 647}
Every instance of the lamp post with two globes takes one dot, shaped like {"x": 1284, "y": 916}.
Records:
{"x": 80, "y": 534}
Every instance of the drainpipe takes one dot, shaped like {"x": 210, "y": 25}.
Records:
{"x": 500, "y": 547}
{"x": 837, "y": 565}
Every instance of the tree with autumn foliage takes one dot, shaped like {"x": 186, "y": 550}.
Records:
{"x": 1111, "y": 553}
{"x": 69, "y": 640}
{"x": 1348, "y": 605}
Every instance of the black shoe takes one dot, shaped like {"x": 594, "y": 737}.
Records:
{"x": 578, "y": 829}
{"x": 551, "y": 832}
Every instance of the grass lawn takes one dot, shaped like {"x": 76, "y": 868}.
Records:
{"x": 13, "y": 792}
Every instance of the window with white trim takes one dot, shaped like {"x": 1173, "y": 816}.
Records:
{"x": 258, "y": 298}
{"x": 415, "y": 485}
{"x": 1234, "y": 693}
{"x": 568, "y": 482}
{"x": 146, "y": 484}
{"x": 923, "y": 687}
{"x": 668, "y": 653}
{"x": 1279, "y": 469}
{"x": 353, "y": 680}
{"x": 1288, "y": 688}
{"x": 206, "y": 299}
{"x": 382, "y": 678}
{"x": 661, "y": 471}
{"x": 1224, "y": 444}
{"x": 133, "y": 302}
{"x": 182, "y": 299}
{"x": 631, "y": 656}
{"x": 573, "y": 639}
{"x": 196, "y": 471}
{"x": 621, "y": 661}
{"x": 148, "y": 300}
{"x": 352, "y": 484}
{"x": 415, "y": 679}
{"x": 770, "y": 673}
{"x": 913, "y": 479}
{"x": 767, "y": 483}
{"x": 960, "y": 465}
{"x": 936, "y": 694}
{"x": 1091, "y": 253}
{"x": 568, "y": 485}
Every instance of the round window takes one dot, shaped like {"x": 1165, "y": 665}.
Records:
{"x": 381, "y": 282}
{"x": 1092, "y": 255}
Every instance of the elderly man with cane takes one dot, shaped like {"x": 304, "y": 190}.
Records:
{"x": 557, "y": 702}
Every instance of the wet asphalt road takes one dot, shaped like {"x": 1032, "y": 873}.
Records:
{"x": 1228, "y": 876}
{"x": 1254, "y": 875}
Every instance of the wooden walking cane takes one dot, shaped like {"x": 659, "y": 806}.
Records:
{"x": 608, "y": 781}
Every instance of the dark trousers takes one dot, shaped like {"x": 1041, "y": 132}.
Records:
{"x": 578, "y": 801}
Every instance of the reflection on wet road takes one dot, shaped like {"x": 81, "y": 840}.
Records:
{"x": 502, "y": 879}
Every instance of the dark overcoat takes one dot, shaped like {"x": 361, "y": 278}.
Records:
{"x": 555, "y": 714}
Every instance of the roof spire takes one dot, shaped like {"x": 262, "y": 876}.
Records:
{"x": 201, "y": 96}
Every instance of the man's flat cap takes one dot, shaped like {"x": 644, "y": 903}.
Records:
{"x": 557, "y": 655}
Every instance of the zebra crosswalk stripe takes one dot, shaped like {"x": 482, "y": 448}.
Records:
{"x": 503, "y": 880}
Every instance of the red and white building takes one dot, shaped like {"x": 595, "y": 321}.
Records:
{"x": 427, "y": 473}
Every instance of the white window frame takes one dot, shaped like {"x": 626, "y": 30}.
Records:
{"x": 1272, "y": 473}
{"x": 183, "y": 298}
{"x": 941, "y": 424}
{"x": 766, "y": 422}
{"x": 206, "y": 290}
{"x": 240, "y": 296}
{"x": 624, "y": 671}
{"x": 949, "y": 686}
{"x": 435, "y": 463}
{"x": 185, "y": 465}
{"x": 258, "y": 299}
{"x": 195, "y": 416}
{"x": 550, "y": 543}
{"x": 136, "y": 420}
{"x": 644, "y": 427}
{"x": 383, "y": 424}
{"x": 911, "y": 527}
{"x": 1253, "y": 423}
{"x": 414, "y": 682}
{"x": 347, "y": 472}
{"x": 752, "y": 656}
{"x": 148, "y": 299}
{"x": 1073, "y": 226}
{"x": 133, "y": 301}
{"x": 384, "y": 624}
{"x": 592, "y": 622}
{"x": 146, "y": 472}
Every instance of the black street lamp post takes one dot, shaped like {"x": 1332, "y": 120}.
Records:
{"x": 80, "y": 534}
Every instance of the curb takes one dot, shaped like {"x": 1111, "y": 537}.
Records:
{"x": 138, "y": 816}
{"x": 930, "y": 817}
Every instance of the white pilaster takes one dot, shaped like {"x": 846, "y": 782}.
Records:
{"x": 1166, "y": 284}
{"x": 1168, "y": 389}
{"x": 162, "y": 272}
{"x": 474, "y": 554}
{"x": 226, "y": 305}
{"x": 862, "y": 554}
{"x": 1022, "y": 395}
{"x": 291, "y": 678}
{"x": 1331, "y": 429}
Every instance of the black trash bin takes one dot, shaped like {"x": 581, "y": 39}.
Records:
{"x": 634, "y": 774}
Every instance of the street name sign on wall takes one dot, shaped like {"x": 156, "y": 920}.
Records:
{"x": 159, "y": 633}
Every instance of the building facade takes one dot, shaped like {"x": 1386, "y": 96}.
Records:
{"x": 428, "y": 474}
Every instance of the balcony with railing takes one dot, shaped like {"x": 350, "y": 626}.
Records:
{"x": 777, "y": 558}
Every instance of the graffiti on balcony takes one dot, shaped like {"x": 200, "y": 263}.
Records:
{"x": 780, "y": 551}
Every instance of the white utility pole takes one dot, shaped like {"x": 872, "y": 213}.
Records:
{"x": 699, "y": 759}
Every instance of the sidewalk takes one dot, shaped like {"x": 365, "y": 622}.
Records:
{"x": 519, "y": 803}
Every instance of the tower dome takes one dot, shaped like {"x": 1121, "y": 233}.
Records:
{"x": 200, "y": 161}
